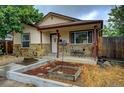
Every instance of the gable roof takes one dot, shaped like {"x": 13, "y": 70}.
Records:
{"x": 74, "y": 22}
{"x": 61, "y": 16}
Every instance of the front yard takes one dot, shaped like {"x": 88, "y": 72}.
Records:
{"x": 91, "y": 75}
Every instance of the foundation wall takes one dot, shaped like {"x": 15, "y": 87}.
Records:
{"x": 38, "y": 50}
{"x": 35, "y": 50}
{"x": 67, "y": 49}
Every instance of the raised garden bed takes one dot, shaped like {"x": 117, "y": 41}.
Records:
{"x": 65, "y": 72}
{"x": 59, "y": 71}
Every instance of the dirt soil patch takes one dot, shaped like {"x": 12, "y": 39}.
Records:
{"x": 66, "y": 70}
{"x": 91, "y": 75}
{"x": 45, "y": 67}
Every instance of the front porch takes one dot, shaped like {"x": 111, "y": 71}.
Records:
{"x": 82, "y": 42}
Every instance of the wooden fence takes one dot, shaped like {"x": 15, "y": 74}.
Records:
{"x": 8, "y": 48}
{"x": 113, "y": 47}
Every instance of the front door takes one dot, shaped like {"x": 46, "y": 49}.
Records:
{"x": 54, "y": 44}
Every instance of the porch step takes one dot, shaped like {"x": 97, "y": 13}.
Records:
{"x": 55, "y": 54}
{"x": 52, "y": 54}
{"x": 78, "y": 60}
{"x": 85, "y": 60}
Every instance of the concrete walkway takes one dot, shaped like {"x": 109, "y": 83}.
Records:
{"x": 5, "y": 68}
{"x": 10, "y": 83}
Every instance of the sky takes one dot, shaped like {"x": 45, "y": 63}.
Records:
{"x": 84, "y": 12}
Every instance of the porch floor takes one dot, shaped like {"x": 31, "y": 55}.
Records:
{"x": 85, "y": 60}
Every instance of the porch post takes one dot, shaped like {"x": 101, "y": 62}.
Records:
{"x": 41, "y": 38}
{"x": 6, "y": 46}
{"x": 95, "y": 43}
{"x": 58, "y": 38}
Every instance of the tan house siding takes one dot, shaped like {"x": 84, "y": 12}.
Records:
{"x": 45, "y": 37}
{"x": 17, "y": 38}
{"x": 34, "y": 35}
{"x": 35, "y": 43}
{"x": 53, "y": 20}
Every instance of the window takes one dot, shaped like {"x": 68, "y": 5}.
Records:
{"x": 89, "y": 36}
{"x": 25, "y": 39}
{"x": 81, "y": 37}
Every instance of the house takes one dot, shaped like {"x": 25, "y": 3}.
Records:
{"x": 83, "y": 37}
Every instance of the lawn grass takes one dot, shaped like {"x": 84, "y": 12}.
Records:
{"x": 6, "y": 57}
{"x": 94, "y": 76}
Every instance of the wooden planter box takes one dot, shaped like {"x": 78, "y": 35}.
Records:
{"x": 54, "y": 73}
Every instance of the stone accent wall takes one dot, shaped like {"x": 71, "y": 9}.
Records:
{"x": 38, "y": 50}
{"x": 46, "y": 49}
{"x": 67, "y": 50}
{"x": 35, "y": 50}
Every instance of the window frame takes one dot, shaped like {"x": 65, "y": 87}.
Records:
{"x": 87, "y": 30}
{"x": 27, "y": 40}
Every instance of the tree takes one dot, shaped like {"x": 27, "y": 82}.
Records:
{"x": 13, "y": 18}
{"x": 116, "y": 18}
{"x": 109, "y": 31}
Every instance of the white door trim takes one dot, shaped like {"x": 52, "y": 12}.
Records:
{"x": 54, "y": 43}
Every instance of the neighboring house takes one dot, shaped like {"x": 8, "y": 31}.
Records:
{"x": 83, "y": 37}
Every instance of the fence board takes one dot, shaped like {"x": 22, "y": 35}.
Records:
{"x": 113, "y": 47}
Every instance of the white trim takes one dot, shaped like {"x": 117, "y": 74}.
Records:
{"x": 22, "y": 40}
{"x": 81, "y": 43}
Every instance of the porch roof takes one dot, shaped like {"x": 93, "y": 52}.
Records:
{"x": 84, "y": 22}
